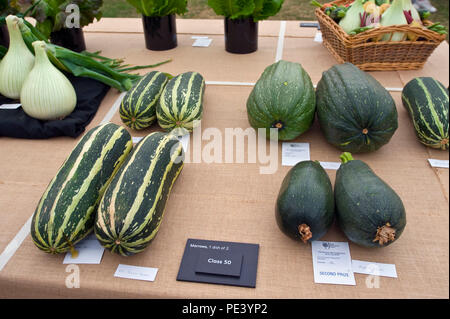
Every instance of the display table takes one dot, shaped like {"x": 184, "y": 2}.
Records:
{"x": 232, "y": 201}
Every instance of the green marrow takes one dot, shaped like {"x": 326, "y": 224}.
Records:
{"x": 132, "y": 208}
{"x": 66, "y": 211}
{"x": 368, "y": 210}
{"x": 305, "y": 204}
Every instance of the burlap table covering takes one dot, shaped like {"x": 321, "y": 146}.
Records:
{"x": 233, "y": 202}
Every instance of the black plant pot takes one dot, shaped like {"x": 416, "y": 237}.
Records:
{"x": 4, "y": 36}
{"x": 241, "y": 35}
{"x": 70, "y": 38}
{"x": 160, "y": 32}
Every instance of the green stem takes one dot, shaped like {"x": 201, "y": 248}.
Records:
{"x": 346, "y": 157}
{"x": 145, "y": 66}
{"x": 316, "y": 3}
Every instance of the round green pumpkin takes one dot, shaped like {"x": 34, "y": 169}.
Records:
{"x": 356, "y": 113}
{"x": 283, "y": 98}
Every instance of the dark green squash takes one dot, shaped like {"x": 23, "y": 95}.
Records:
{"x": 283, "y": 98}
{"x": 427, "y": 102}
{"x": 356, "y": 114}
{"x": 368, "y": 210}
{"x": 305, "y": 205}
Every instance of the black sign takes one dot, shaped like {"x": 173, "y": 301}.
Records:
{"x": 219, "y": 262}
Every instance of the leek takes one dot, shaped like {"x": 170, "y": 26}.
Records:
{"x": 411, "y": 13}
{"x": 47, "y": 94}
{"x": 111, "y": 72}
{"x": 17, "y": 62}
{"x": 352, "y": 19}
{"x": 394, "y": 16}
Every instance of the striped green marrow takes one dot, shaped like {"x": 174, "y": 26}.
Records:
{"x": 138, "y": 107}
{"x": 66, "y": 211}
{"x": 181, "y": 102}
{"x": 427, "y": 102}
{"x": 132, "y": 208}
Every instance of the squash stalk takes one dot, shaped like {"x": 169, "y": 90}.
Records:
{"x": 385, "y": 234}
{"x": 346, "y": 157}
{"x": 305, "y": 232}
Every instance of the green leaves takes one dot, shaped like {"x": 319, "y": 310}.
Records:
{"x": 236, "y": 9}
{"x": 159, "y": 8}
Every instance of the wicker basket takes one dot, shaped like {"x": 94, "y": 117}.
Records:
{"x": 368, "y": 54}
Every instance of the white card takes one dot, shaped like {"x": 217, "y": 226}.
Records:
{"x": 89, "y": 252}
{"x": 137, "y": 139}
{"x": 332, "y": 263}
{"x": 202, "y": 42}
{"x": 438, "y": 163}
{"x": 136, "y": 272}
{"x": 185, "y": 141}
{"x": 10, "y": 106}
{"x": 371, "y": 268}
{"x": 330, "y": 165}
{"x": 292, "y": 153}
{"x": 318, "y": 37}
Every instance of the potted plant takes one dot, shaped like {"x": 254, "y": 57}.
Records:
{"x": 158, "y": 18}
{"x": 62, "y": 20}
{"x": 7, "y": 7}
{"x": 241, "y": 21}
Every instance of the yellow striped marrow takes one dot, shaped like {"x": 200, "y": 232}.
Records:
{"x": 181, "y": 102}
{"x": 66, "y": 211}
{"x": 132, "y": 208}
{"x": 427, "y": 102}
{"x": 138, "y": 107}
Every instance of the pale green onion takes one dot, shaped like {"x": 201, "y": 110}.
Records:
{"x": 17, "y": 62}
{"x": 47, "y": 94}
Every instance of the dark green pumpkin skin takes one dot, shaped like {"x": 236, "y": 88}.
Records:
{"x": 356, "y": 114}
{"x": 305, "y": 197}
{"x": 427, "y": 102}
{"x": 282, "y": 98}
{"x": 365, "y": 202}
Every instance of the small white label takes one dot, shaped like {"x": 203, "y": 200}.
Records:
{"x": 438, "y": 163}
{"x": 184, "y": 141}
{"x": 292, "y": 153}
{"x": 135, "y": 272}
{"x": 318, "y": 37}
{"x": 330, "y": 165}
{"x": 137, "y": 139}
{"x": 332, "y": 263}
{"x": 10, "y": 106}
{"x": 89, "y": 252}
{"x": 202, "y": 42}
{"x": 377, "y": 269}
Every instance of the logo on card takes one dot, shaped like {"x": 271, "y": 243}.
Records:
{"x": 328, "y": 245}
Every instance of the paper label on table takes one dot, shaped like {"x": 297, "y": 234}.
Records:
{"x": 318, "y": 37}
{"x": 137, "y": 139}
{"x": 10, "y": 106}
{"x": 438, "y": 163}
{"x": 202, "y": 42}
{"x": 371, "y": 268}
{"x": 184, "y": 141}
{"x": 292, "y": 153}
{"x": 332, "y": 263}
{"x": 136, "y": 272}
{"x": 90, "y": 251}
{"x": 330, "y": 165}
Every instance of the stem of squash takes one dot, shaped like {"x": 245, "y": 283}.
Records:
{"x": 385, "y": 234}
{"x": 305, "y": 232}
{"x": 346, "y": 157}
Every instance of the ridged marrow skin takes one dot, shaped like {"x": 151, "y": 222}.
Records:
{"x": 305, "y": 204}
{"x": 66, "y": 211}
{"x": 427, "y": 102}
{"x": 181, "y": 102}
{"x": 138, "y": 107}
{"x": 356, "y": 113}
{"x": 132, "y": 208}
{"x": 368, "y": 210}
{"x": 283, "y": 98}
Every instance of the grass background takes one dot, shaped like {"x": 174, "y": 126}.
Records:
{"x": 291, "y": 10}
